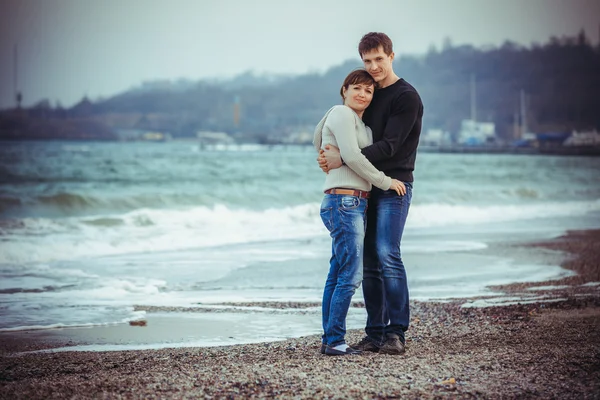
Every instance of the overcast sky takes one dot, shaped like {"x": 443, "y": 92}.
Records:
{"x": 71, "y": 48}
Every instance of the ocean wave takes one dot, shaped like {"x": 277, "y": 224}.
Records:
{"x": 151, "y": 230}
{"x": 43, "y": 289}
{"x": 106, "y": 222}
{"x": 108, "y": 206}
{"x": 9, "y": 202}
{"x": 140, "y": 315}
{"x": 66, "y": 204}
{"x": 67, "y": 200}
{"x": 440, "y": 214}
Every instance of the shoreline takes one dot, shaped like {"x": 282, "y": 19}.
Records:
{"x": 230, "y": 322}
{"x": 548, "y": 349}
{"x": 198, "y": 322}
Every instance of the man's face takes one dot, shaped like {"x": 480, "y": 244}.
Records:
{"x": 379, "y": 65}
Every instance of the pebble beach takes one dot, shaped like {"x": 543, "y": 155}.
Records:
{"x": 542, "y": 346}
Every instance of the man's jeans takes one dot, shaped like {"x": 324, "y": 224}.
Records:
{"x": 384, "y": 285}
{"x": 344, "y": 217}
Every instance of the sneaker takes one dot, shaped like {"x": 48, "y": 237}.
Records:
{"x": 393, "y": 345}
{"x": 330, "y": 351}
{"x": 366, "y": 344}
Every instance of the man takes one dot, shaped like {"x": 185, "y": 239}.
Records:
{"x": 394, "y": 116}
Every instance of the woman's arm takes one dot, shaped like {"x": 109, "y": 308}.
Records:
{"x": 341, "y": 122}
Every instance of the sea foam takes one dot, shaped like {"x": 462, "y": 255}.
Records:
{"x": 159, "y": 230}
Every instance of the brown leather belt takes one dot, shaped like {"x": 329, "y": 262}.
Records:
{"x": 350, "y": 192}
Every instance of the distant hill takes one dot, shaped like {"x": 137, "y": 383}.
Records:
{"x": 560, "y": 78}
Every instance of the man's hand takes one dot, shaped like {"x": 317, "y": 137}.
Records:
{"x": 329, "y": 158}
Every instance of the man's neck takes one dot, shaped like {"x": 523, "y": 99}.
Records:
{"x": 390, "y": 80}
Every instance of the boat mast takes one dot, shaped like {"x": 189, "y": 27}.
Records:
{"x": 473, "y": 98}
{"x": 523, "y": 114}
{"x": 18, "y": 96}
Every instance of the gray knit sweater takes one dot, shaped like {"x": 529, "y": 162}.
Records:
{"x": 343, "y": 128}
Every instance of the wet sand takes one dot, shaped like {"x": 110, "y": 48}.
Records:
{"x": 545, "y": 347}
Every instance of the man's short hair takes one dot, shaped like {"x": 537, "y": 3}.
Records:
{"x": 372, "y": 41}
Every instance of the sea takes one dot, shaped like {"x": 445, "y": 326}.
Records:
{"x": 93, "y": 233}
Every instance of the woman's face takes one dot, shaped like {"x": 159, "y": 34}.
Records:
{"x": 358, "y": 96}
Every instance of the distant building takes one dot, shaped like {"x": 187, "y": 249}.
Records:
{"x": 298, "y": 137}
{"x": 436, "y": 137}
{"x": 588, "y": 138}
{"x": 211, "y": 138}
{"x": 528, "y": 139}
{"x": 473, "y": 133}
{"x": 551, "y": 139}
{"x": 156, "y": 136}
{"x": 132, "y": 134}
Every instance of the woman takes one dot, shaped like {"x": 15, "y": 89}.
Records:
{"x": 345, "y": 203}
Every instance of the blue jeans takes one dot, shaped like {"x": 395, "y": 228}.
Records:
{"x": 344, "y": 218}
{"x": 385, "y": 288}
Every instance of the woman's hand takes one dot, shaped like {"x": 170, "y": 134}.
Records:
{"x": 322, "y": 161}
{"x": 398, "y": 187}
{"x": 329, "y": 158}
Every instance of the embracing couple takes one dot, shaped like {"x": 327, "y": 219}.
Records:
{"x": 370, "y": 140}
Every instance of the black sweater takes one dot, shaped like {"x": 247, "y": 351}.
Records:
{"x": 395, "y": 117}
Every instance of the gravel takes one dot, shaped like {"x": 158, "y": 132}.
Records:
{"x": 533, "y": 350}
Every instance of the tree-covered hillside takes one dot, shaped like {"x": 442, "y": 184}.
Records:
{"x": 561, "y": 80}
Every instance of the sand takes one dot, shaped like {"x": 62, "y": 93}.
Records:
{"x": 545, "y": 347}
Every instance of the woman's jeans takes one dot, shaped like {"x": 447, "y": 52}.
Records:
{"x": 344, "y": 217}
{"x": 385, "y": 288}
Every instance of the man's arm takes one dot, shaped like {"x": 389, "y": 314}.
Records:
{"x": 397, "y": 128}
{"x": 341, "y": 123}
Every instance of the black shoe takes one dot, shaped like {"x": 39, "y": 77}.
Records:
{"x": 323, "y": 346}
{"x": 330, "y": 351}
{"x": 366, "y": 344}
{"x": 393, "y": 345}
